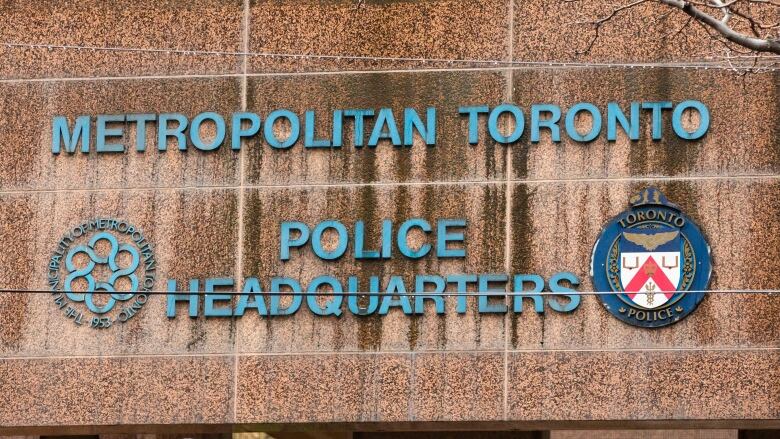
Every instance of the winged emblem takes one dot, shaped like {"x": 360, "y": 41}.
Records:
{"x": 651, "y": 242}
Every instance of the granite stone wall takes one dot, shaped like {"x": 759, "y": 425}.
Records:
{"x": 531, "y": 208}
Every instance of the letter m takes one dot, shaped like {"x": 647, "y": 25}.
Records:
{"x": 61, "y": 134}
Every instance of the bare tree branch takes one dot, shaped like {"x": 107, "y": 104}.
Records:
{"x": 753, "y": 43}
{"x": 727, "y": 45}
{"x": 600, "y": 22}
{"x": 724, "y": 21}
{"x": 726, "y": 10}
{"x": 678, "y": 31}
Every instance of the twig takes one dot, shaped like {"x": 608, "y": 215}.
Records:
{"x": 599, "y": 22}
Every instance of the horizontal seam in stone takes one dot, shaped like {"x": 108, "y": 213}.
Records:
{"x": 398, "y": 184}
{"x": 638, "y": 66}
{"x": 405, "y": 353}
{"x": 119, "y": 78}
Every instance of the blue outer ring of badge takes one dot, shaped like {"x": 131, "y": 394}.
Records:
{"x": 688, "y": 301}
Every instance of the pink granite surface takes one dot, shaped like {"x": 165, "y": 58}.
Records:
{"x": 531, "y": 208}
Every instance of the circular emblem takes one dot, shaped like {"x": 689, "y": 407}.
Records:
{"x": 655, "y": 259}
{"x": 101, "y": 271}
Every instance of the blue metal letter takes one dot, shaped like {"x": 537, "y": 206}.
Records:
{"x": 462, "y": 281}
{"x": 140, "y": 128}
{"x": 419, "y": 289}
{"x": 657, "y": 108}
{"x": 443, "y": 237}
{"x": 60, "y": 132}
{"x": 333, "y": 307}
{"x": 538, "y": 282}
{"x": 338, "y": 128}
{"x": 615, "y": 114}
{"x": 163, "y": 132}
{"x": 193, "y": 298}
{"x": 395, "y": 287}
{"x": 551, "y": 123}
{"x": 316, "y": 240}
{"x": 385, "y": 119}
{"x": 412, "y": 121}
{"x": 403, "y": 232}
{"x": 308, "y": 133}
{"x": 373, "y": 299}
{"x": 571, "y": 129}
{"x": 474, "y": 113}
{"x": 102, "y": 132}
{"x": 495, "y": 133}
{"x": 295, "y": 129}
{"x": 210, "y": 309}
{"x": 237, "y": 132}
{"x": 219, "y": 137}
{"x": 251, "y": 289}
{"x": 287, "y": 242}
{"x": 276, "y": 299}
{"x": 555, "y": 287}
{"x": 360, "y": 237}
{"x": 484, "y": 287}
{"x": 387, "y": 239}
{"x": 704, "y": 121}
{"x": 359, "y": 115}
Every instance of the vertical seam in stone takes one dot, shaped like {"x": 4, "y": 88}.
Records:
{"x": 412, "y": 386}
{"x": 507, "y": 259}
{"x": 508, "y": 215}
{"x": 245, "y": 45}
{"x": 507, "y": 253}
{"x": 242, "y": 152}
{"x": 511, "y": 55}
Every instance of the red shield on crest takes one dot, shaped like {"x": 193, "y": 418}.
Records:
{"x": 650, "y": 265}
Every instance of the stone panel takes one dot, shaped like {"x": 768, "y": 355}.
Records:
{"x": 451, "y": 159}
{"x": 645, "y": 434}
{"x": 406, "y": 31}
{"x": 741, "y": 139}
{"x": 15, "y": 263}
{"x": 554, "y": 228}
{"x": 514, "y": 434}
{"x": 193, "y": 233}
{"x": 28, "y": 109}
{"x": 306, "y": 332}
{"x": 113, "y": 391}
{"x": 323, "y": 388}
{"x": 561, "y": 31}
{"x": 459, "y": 387}
{"x": 644, "y": 385}
{"x": 370, "y": 387}
{"x": 204, "y": 25}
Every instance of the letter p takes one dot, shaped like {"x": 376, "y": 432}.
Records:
{"x": 238, "y": 130}
{"x": 288, "y": 242}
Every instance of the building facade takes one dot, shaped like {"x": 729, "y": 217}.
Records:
{"x": 173, "y": 172}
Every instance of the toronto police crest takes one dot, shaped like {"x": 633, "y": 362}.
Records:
{"x": 101, "y": 271}
{"x": 655, "y": 259}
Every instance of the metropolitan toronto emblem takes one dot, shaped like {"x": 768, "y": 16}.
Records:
{"x": 655, "y": 259}
{"x": 101, "y": 271}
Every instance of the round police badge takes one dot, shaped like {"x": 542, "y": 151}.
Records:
{"x": 655, "y": 259}
{"x": 101, "y": 271}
